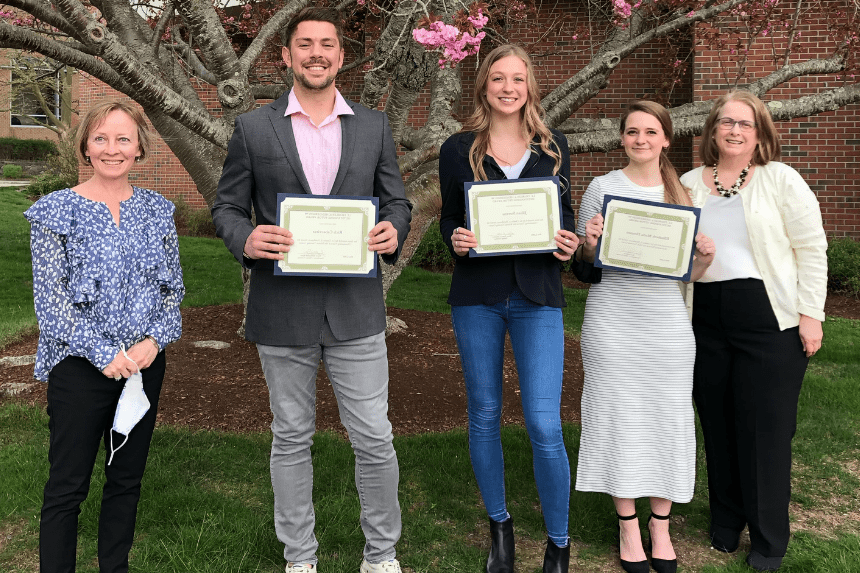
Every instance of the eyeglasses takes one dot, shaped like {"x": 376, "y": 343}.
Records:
{"x": 728, "y": 123}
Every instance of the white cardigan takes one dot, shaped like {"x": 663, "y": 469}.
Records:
{"x": 787, "y": 236}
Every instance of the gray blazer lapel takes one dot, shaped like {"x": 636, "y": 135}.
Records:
{"x": 348, "y": 131}
{"x": 283, "y": 127}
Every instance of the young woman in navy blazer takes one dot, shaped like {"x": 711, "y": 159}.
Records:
{"x": 505, "y": 138}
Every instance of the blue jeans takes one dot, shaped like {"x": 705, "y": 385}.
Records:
{"x": 537, "y": 337}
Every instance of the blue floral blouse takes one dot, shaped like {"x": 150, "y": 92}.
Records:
{"x": 97, "y": 285}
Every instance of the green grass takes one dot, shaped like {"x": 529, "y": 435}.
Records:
{"x": 207, "y": 496}
{"x": 16, "y": 278}
{"x": 211, "y": 274}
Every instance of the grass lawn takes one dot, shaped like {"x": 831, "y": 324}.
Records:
{"x": 207, "y": 499}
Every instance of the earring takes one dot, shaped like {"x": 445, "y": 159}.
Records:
{"x": 137, "y": 159}
{"x": 87, "y": 159}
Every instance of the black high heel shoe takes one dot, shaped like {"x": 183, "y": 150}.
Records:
{"x": 660, "y": 565}
{"x": 630, "y": 566}
{"x": 501, "y": 558}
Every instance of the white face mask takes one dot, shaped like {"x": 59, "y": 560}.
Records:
{"x": 132, "y": 406}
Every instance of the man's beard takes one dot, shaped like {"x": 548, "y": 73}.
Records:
{"x": 301, "y": 79}
{"x": 305, "y": 83}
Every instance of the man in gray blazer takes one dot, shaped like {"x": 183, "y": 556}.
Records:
{"x": 314, "y": 141}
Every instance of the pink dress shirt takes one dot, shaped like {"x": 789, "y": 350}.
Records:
{"x": 318, "y": 145}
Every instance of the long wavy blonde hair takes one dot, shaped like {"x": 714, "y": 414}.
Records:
{"x": 673, "y": 190}
{"x": 531, "y": 113}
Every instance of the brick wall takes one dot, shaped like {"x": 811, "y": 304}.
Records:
{"x": 823, "y": 148}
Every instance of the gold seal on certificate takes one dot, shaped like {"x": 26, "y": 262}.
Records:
{"x": 648, "y": 237}
{"x": 513, "y": 216}
{"x": 330, "y": 235}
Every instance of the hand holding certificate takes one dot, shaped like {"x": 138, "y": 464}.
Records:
{"x": 648, "y": 237}
{"x": 513, "y": 216}
{"x": 329, "y": 233}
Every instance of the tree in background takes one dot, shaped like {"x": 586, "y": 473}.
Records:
{"x": 40, "y": 95}
{"x": 159, "y": 55}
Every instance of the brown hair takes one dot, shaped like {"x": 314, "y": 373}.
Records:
{"x": 313, "y": 14}
{"x": 96, "y": 116}
{"x": 531, "y": 113}
{"x": 768, "y": 148}
{"x": 673, "y": 191}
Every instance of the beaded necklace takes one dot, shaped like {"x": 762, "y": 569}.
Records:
{"x": 738, "y": 183}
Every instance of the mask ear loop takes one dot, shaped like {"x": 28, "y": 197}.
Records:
{"x": 113, "y": 451}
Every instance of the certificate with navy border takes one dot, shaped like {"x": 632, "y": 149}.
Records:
{"x": 513, "y": 216}
{"x": 648, "y": 237}
{"x": 329, "y": 234}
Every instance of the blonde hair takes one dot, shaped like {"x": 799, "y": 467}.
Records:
{"x": 531, "y": 113}
{"x": 96, "y": 116}
{"x": 673, "y": 190}
{"x": 768, "y": 148}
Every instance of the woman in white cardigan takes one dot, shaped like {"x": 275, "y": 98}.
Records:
{"x": 757, "y": 316}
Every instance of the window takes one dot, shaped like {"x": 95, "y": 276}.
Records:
{"x": 27, "y": 110}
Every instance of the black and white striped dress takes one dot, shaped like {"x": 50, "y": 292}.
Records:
{"x": 638, "y": 433}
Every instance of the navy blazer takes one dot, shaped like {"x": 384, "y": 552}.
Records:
{"x": 488, "y": 280}
{"x": 262, "y": 161}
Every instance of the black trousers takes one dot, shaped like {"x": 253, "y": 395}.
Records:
{"x": 746, "y": 386}
{"x": 81, "y": 406}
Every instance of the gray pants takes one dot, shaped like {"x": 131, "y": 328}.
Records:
{"x": 358, "y": 370}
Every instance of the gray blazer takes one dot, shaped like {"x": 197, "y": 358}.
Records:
{"x": 262, "y": 161}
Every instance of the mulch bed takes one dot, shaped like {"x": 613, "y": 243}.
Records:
{"x": 225, "y": 389}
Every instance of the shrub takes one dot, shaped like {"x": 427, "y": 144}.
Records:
{"x": 26, "y": 149}
{"x": 193, "y": 222}
{"x": 843, "y": 265}
{"x": 432, "y": 253}
{"x": 47, "y": 183}
{"x": 12, "y": 171}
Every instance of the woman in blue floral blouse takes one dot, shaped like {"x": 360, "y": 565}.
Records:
{"x": 107, "y": 286}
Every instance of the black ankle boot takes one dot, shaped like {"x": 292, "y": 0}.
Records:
{"x": 556, "y": 559}
{"x": 501, "y": 559}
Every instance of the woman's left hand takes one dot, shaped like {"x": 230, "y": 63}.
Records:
{"x": 567, "y": 242}
{"x": 142, "y": 353}
{"x": 811, "y": 334}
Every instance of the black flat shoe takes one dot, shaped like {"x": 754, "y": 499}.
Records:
{"x": 501, "y": 558}
{"x": 725, "y": 540}
{"x": 761, "y": 563}
{"x": 556, "y": 559}
{"x": 660, "y": 565}
{"x": 630, "y": 566}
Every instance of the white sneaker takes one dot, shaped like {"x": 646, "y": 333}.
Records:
{"x": 301, "y": 568}
{"x": 388, "y": 567}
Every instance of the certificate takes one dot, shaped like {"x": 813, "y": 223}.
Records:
{"x": 330, "y": 235}
{"x": 513, "y": 216}
{"x": 647, "y": 237}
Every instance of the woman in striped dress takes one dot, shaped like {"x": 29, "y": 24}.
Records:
{"x": 638, "y": 434}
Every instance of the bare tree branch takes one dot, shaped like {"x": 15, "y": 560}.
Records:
{"x": 210, "y": 37}
{"x": 43, "y": 11}
{"x": 148, "y": 88}
{"x": 620, "y": 45}
{"x": 605, "y": 137}
{"x": 272, "y": 27}
{"x": 161, "y": 26}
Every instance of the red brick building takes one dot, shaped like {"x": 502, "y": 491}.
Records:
{"x": 823, "y": 148}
